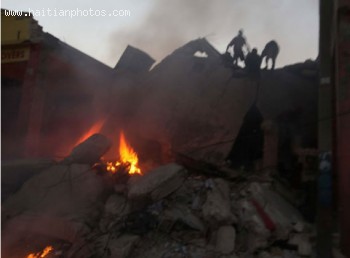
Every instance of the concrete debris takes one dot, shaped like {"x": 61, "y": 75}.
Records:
{"x": 225, "y": 239}
{"x": 60, "y": 202}
{"x": 15, "y": 172}
{"x": 337, "y": 254}
{"x": 299, "y": 227}
{"x": 156, "y": 184}
{"x": 115, "y": 204}
{"x": 90, "y": 151}
{"x": 180, "y": 215}
{"x": 61, "y": 190}
{"x": 302, "y": 241}
{"x": 184, "y": 214}
{"x": 257, "y": 234}
{"x": 122, "y": 246}
{"x": 217, "y": 207}
{"x": 278, "y": 215}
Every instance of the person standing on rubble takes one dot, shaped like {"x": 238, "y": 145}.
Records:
{"x": 238, "y": 43}
{"x": 253, "y": 63}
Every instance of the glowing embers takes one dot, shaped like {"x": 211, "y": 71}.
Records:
{"x": 128, "y": 159}
{"x": 42, "y": 253}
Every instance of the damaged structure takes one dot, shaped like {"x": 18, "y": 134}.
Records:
{"x": 46, "y": 89}
{"x": 227, "y": 165}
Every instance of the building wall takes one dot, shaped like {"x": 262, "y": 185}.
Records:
{"x": 343, "y": 121}
{"x": 51, "y": 92}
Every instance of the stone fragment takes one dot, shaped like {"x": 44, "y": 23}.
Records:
{"x": 90, "y": 151}
{"x": 15, "y": 172}
{"x": 122, "y": 246}
{"x": 225, "y": 239}
{"x": 184, "y": 214}
{"x": 276, "y": 210}
{"x": 257, "y": 234}
{"x": 302, "y": 241}
{"x": 60, "y": 190}
{"x": 156, "y": 184}
{"x": 217, "y": 207}
{"x": 115, "y": 204}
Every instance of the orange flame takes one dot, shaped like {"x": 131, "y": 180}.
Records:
{"x": 127, "y": 156}
{"x": 96, "y": 128}
{"x": 41, "y": 254}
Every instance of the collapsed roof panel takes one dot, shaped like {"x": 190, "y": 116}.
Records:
{"x": 134, "y": 60}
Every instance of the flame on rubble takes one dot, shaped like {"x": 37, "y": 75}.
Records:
{"x": 41, "y": 254}
{"x": 127, "y": 156}
{"x": 95, "y": 128}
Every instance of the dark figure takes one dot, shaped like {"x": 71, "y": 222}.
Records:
{"x": 270, "y": 52}
{"x": 249, "y": 144}
{"x": 238, "y": 43}
{"x": 252, "y": 63}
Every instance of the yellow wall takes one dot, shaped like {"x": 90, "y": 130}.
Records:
{"x": 15, "y": 29}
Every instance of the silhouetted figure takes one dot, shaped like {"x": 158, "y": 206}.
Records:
{"x": 270, "y": 52}
{"x": 238, "y": 43}
{"x": 252, "y": 63}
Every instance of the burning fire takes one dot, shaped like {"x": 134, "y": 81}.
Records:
{"x": 41, "y": 254}
{"x": 95, "y": 128}
{"x": 127, "y": 156}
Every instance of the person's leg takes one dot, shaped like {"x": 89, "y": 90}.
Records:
{"x": 266, "y": 63}
{"x": 235, "y": 59}
{"x": 273, "y": 63}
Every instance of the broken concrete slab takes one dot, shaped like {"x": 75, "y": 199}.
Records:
{"x": 134, "y": 60}
{"x": 90, "y": 151}
{"x": 302, "y": 241}
{"x": 217, "y": 207}
{"x": 184, "y": 214}
{"x": 282, "y": 215}
{"x": 156, "y": 184}
{"x": 225, "y": 239}
{"x": 122, "y": 246}
{"x": 61, "y": 202}
{"x": 61, "y": 190}
{"x": 35, "y": 225}
{"x": 257, "y": 234}
{"x": 15, "y": 172}
{"x": 115, "y": 204}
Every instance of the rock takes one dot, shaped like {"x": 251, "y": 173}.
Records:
{"x": 279, "y": 212}
{"x": 156, "y": 184}
{"x": 115, "y": 205}
{"x": 27, "y": 226}
{"x": 15, "y": 172}
{"x": 122, "y": 246}
{"x": 257, "y": 234}
{"x": 225, "y": 239}
{"x": 230, "y": 173}
{"x": 302, "y": 241}
{"x": 217, "y": 207}
{"x": 89, "y": 151}
{"x": 184, "y": 214}
{"x": 223, "y": 186}
{"x": 70, "y": 193}
{"x": 299, "y": 227}
{"x": 337, "y": 254}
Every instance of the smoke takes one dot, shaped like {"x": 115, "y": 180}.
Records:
{"x": 170, "y": 24}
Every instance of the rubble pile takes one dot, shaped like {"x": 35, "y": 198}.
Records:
{"x": 169, "y": 211}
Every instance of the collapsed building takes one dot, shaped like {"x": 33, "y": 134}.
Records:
{"x": 204, "y": 112}
{"x": 217, "y": 151}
